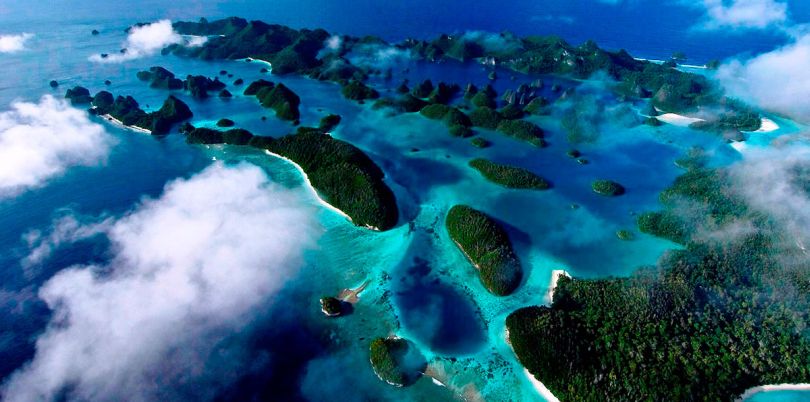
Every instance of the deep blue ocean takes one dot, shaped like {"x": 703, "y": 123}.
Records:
{"x": 420, "y": 286}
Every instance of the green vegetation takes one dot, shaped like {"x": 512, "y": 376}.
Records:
{"x": 721, "y": 315}
{"x": 479, "y": 142}
{"x": 653, "y": 122}
{"x": 624, "y": 234}
{"x": 329, "y": 122}
{"x": 423, "y": 89}
{"x": 607, "y": 188}
{"x": 394, "y": 362}
{"x": 160, "y": 77}
{"x": 458, "y": 130}
{"x": 199, "y": 85}
{"x": 78, "y": 95}
{"x": 202, "y": 135}
{"x": 485, "y": 117}
{"x": 127, "y": 110}
{"x": 509, "y": 176}
{"x": 487, "y": 246}
{"x": 523, "y": 130}
{"x": 331, "y": 307}
{"x": 342, "y": 174}
{"x": 358, "y": 91}
{"x": 225, "y": 123}
{"x": 225, "y": 94}
{"x": 277, "y": 97}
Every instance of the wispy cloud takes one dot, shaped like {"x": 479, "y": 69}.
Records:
{"x": 189, "y": 269}
{"x": 14, "y": 43}
{"x": 147, "y": 40}
{"x": 757, "y": 14}
{"x": 39, "y": 141}
{"x": 778, "y": 80}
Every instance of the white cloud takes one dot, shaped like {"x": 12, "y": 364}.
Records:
{"x": 778, "y": 80}
{"x": 744, "y": 13}
{"x": 13, "y": 43}
{"x": 39, "y": 141}
{"x": 190, "y": 268}
{"x": 147, "y": 40}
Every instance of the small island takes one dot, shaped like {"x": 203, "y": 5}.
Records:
{"x": 396, "y": 361}
{"x": 608, "y": 188}
{"x": 331, "y": 306}
{"x": 487, "y": 246}
{"x": 278, "y": 97}
{"x": 523, "y": 130}
{"x": 126, "y": 110}
{"x": 509, "y": 176}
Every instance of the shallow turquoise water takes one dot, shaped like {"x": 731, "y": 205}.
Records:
{"x": 420, "y": 286}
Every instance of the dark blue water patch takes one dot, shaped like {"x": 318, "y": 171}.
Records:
{"x": 434, "y": 312}
{"x": 22, "y": 318}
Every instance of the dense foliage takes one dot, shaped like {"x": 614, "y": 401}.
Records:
{"x": 725, "y": 313}
{"x": 607, "y": 188}
{"x": 127, "y": 110}
{"x": 523, "y": 130}
{"x": 389, "y": 359}
{"x": 345, "y": 176}
{"x": 509, "y": 176}
{"x": 486, "y": 244}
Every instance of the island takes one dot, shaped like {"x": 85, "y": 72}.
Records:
{"x": 523, "y": 130}
{"x": 608, "y": 188}
{"x": 277, "y": 97}
{"x": 486, "y": 245}
{"x": 78, "y": 95}
{"x": 331, "y": 306}
{"x": 396, "y": 361}
{"x": 704, "y": 324}
{"x": 125, "y": 109}
{"x": 341, "y": 173}
{"x": 509, "y": 176}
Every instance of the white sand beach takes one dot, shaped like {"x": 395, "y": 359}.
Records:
{"x": 540, "y": 388}
{"x": 259, "y": 61}
{"x": 119, "y": 123}
{"x": 778, "y": 387}
{"x": 739, "y": 146}
{"x": 767, "y": 126}
{"x": 677, "y": 119}
{"x": 309, "y": 185}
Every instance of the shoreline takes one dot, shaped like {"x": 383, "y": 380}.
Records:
{"x": 772, "y": 387}
{"x": 677, "y": 119}
{"x": 767, "y": 126}
{"x": 120, "y": 124}
{"x": 260, "y": 61}
{"x": 555, "y": 276}
{"x": 309, "y": 185}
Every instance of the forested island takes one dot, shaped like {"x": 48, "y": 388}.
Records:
{"x": 509, "y": 176}
{"x": 487, "y": 246}
{"x": 708, "y": 322}
{"x": 292, "y": 51}
{"x": 345, "y": 176}
{"x": 127, "y": 110}
{"x": 396, "y": 361}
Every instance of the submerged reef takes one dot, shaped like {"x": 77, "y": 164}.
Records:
{"x": 509, "y": 176}
{"x": 487, "y": 246}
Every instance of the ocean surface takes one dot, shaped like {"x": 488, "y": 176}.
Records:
{"x": 420, "y": 286}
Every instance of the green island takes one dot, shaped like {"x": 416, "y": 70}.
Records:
{"x": 341, "y": 173}
{"x": 396, "y": 361}
{"x": 708, "y": 322}
{"x": 608, "y": 188}
{"x": 523, "y": 130}
{"x": 292, "y": 51}
{"x": 128, "y": 112}
{"x": 509, "y": 176}
{"x": 278, "y": 97}
{"x": 486, "y": 245}
{"x": 331, "y": 306}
